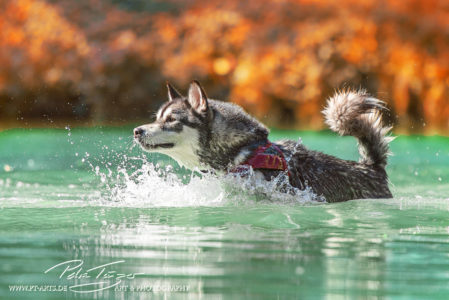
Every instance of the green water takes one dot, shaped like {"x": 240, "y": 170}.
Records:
{"x": 74, "y": 195}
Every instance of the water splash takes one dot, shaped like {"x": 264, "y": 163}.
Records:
{"x": 138, "y": 182}
{"x": 252, "y": 185}
{"x": 156, "y": 186}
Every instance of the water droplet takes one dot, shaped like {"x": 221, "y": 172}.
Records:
{"x": 68, "y": 129}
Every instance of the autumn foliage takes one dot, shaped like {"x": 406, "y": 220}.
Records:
{"x": 280, "y": 59}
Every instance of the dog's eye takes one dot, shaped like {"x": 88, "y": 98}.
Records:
{"x": 170, "y": 119}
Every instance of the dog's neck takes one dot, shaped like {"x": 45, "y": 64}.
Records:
{"x": 223, "y": 153}
{"x": 222, "y": 156}
{"x": 230, "y": 130}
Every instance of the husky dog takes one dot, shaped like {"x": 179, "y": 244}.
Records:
{"x": 201, "y": 132}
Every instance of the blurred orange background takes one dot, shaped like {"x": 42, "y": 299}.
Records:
{"x": 106, "y": 62}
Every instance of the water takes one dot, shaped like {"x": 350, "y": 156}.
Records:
{"x": 85, "y": 198}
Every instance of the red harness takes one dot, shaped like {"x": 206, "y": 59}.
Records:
{"x": 266, "y": 156}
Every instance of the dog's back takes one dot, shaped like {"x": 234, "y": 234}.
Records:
{"x": 347, "y": 113}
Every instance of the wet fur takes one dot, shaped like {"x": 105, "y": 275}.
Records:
{"x": 215, "y": 134}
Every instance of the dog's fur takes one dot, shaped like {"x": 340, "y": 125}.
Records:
{"x": 201, "y": 132}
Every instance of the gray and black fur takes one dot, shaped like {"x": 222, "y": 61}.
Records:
{"x": 200, "y": 132}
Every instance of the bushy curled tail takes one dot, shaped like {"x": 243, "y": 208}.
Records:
{"x": 358, "y": 114}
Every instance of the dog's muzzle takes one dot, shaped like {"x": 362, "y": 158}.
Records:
{"x": 139, "y": 134}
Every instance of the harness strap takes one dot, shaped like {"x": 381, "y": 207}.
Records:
{"x": 266, "y": 156}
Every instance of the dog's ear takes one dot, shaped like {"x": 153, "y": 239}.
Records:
{"x": 197, "y": 97}
{"x": 172, "y": 92}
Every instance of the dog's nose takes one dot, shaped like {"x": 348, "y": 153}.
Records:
{"x": 138, "y": 131}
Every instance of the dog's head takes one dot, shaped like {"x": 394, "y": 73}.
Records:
{"x": 195, "y": 129}
{"x": 176, "y": 131}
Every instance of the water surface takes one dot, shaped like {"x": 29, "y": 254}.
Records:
{"x": 87, "y": 196}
